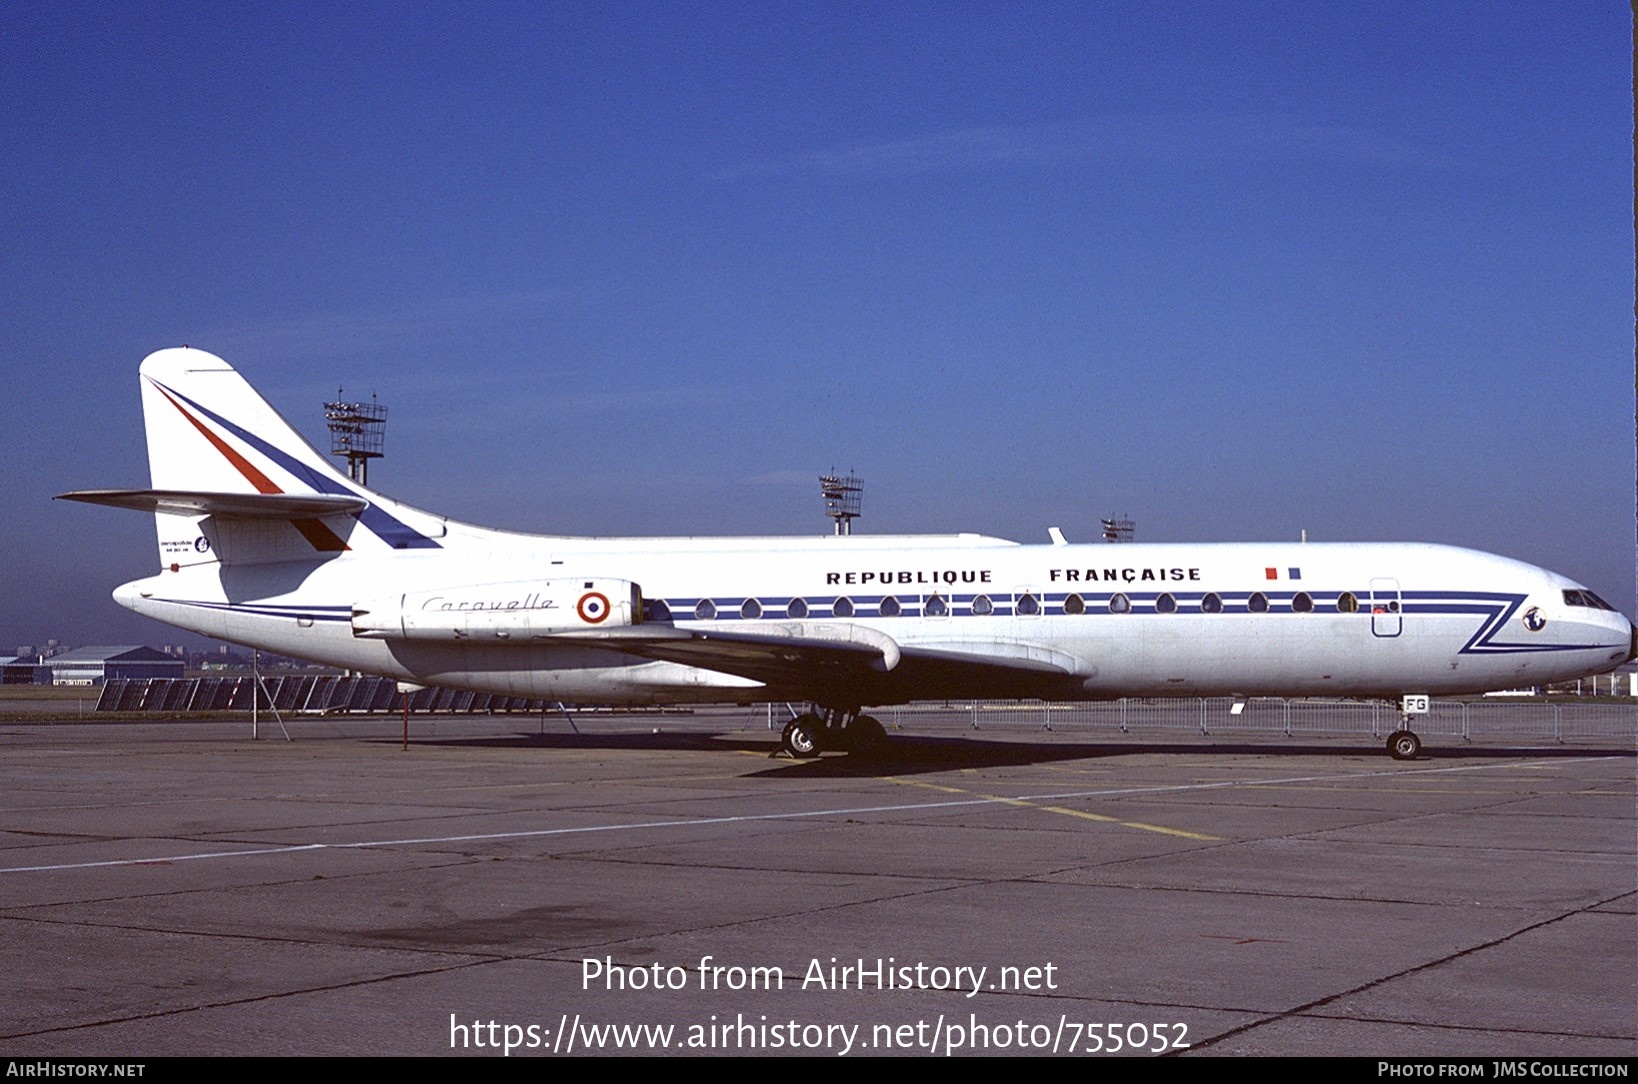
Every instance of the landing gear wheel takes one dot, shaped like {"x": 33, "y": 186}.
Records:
{"x": 865, "y": 737}
{"x": 801, "y": 736}
{"x": 1403, "y": 745}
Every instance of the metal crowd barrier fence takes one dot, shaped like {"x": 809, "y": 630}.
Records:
{"x": 1457, "y": 719}
{"x": 301, "y": 694}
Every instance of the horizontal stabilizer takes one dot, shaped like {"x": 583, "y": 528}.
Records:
{"x": 181, "y": 502}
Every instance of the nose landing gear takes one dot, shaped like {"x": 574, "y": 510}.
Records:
{"x": 1402, "y": 743}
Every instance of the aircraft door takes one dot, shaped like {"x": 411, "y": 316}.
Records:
{"x": 1386, "y": 616}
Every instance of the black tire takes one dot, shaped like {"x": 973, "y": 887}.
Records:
{"x": 866, "y": 737}
{"x": 1403, "y": 745}
{"x": 801, "y": 737}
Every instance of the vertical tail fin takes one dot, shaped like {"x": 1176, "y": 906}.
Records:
{"x": 210, "y": 432}
{"x": 234, "y": 483}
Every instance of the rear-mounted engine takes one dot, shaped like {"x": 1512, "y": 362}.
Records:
{"x": 527, "y": 609}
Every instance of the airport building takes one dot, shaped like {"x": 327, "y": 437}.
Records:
{"x": 96, "y": 665}
{"x": 24, "y": 671}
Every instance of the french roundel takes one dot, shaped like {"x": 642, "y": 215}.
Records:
{"x": 593, "y": 607}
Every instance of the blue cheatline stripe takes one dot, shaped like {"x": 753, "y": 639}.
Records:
{"x": 389, "y": 529}
{"x": 1497, "y": 608}
{"x": 314, "y": 613}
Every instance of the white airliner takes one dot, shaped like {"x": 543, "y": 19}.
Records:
{"x": 264, "y": 543}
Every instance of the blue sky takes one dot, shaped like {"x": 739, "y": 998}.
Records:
{"x": 1236, "y": 270}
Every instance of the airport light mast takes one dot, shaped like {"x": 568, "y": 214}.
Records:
{"x": 358, "y": 431}
{"x": 843, "y": 494}
{"x": 1118, "y": 530}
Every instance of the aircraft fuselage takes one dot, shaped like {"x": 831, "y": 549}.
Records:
{"x": 1367, "y": 619}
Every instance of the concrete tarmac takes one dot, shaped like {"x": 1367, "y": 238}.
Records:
{"x": 506, "y": 886}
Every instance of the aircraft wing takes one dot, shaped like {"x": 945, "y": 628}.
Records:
{"x": 1017, "y": 655}
{"x": 182, "y": 502}
{"x": 811, "y": 655}
{"x": 782, "y": 648}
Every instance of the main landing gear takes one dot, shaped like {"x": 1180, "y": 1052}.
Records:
{"x": 811, "y": 733}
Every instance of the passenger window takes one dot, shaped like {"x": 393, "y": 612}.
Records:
{"x": 1347, "y": 603}
{"x": 751, "y": 610}
{"x": 1257, "y": 603}
{"x": 1211, "y": 604}
{"x": 1301, "y": 603}
{"x": 706, "y": 610}
{"x": 1074, "y": 604}
{"x": 1120, "y": 604}
{"x": 982, "y": 605}
{"x": 655, "y": 609}
{"x": 889, "y": 607}
{"x": 842, "y": 607}
{"x": 1027, "y": 605}
{"x": 796, "y": 608}
{"x": 935, "y": 607}
{"x": 1165, "y": 604}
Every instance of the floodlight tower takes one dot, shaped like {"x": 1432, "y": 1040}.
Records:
{"x": 843, "y": 494}
{"x": 358, "y": 432}
{"x": 1118, "y": 530}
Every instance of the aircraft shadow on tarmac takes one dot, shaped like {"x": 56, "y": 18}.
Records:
{"x": 906, "y": 755}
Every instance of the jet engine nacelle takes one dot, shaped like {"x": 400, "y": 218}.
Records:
{"x": 524, "y": 610}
